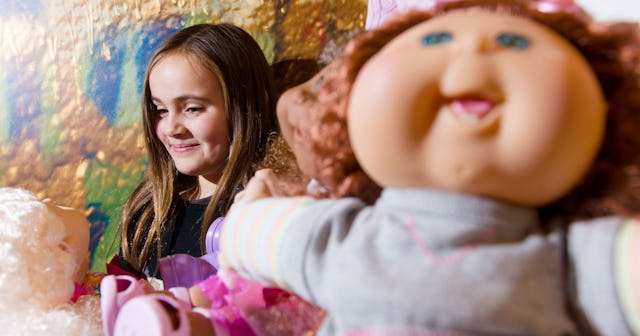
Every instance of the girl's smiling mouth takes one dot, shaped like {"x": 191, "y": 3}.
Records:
{"x": 181, "y": 148}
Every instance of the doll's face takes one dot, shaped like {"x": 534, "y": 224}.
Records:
{"x": 77, "y": 238}
{"x": 298, "y": 109}
{"x": 478, "y": 102}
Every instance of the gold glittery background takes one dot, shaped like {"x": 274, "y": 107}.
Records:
{"x": 70, "y": 78}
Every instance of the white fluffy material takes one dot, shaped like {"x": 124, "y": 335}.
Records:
{"x": 36, "y": 272}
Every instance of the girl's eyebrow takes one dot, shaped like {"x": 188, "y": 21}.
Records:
{"x": 181, "y": 98}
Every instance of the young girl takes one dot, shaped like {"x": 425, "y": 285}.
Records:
{"x": 331, "y": 163}
{"x": 208, "y": 108}
{"x": 477, "y": 117}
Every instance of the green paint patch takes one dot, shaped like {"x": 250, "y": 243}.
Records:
{"x": 267, "y": 43}
{"x": 110, "y": 187}
{"x": 128, "y": 109}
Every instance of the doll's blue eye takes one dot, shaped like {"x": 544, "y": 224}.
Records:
{"x": 514, "y": 41}
{"x": 437, "y": 38}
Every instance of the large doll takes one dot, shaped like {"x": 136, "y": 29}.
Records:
{"x": 505, "y": 135}
{"x": 44, "y": 253}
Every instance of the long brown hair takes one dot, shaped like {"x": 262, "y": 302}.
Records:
{"x": 612, "y": 186}
{"x": 234, "y": 57}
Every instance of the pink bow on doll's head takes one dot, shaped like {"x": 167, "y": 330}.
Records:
{"x": 557, "y": 6}
{"x": 379, "y": 10}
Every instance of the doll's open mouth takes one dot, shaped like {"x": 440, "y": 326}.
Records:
{"x": 471, "y": 108}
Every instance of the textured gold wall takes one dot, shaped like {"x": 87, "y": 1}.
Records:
{"x": 70, "y": 79}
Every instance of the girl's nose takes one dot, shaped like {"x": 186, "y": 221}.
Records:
{"x": 172, "y": 124}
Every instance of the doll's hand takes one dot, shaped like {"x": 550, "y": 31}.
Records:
{"x": 262, "y": 184}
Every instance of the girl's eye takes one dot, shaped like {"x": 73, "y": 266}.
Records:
{"x": 437, "y": 38}
{"x": 161, "y": 112}
{"x": 512, "y": 40}
{"x": 194, "y": 109}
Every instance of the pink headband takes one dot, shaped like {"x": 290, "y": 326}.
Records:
{"x": 378, "y": 11}
{"x": 554, "y": 6}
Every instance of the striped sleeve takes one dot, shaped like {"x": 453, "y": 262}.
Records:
{"x": 252, "y": 236}
{"x": 627, "y": 266}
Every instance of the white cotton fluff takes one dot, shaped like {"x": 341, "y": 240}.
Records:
{"x": 36, "y": 272}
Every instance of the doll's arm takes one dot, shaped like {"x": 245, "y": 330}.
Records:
{"x": 252, "y": 237}
{"x": 627, "y": 264}
{"x": 603, "y": 259}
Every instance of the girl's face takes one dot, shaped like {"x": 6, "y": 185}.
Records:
{"x": 478, "y": 102}
{"x": 191, "y": 116}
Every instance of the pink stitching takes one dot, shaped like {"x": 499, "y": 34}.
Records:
{"x": 449, "y": 258}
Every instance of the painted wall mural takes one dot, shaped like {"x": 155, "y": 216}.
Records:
{"x": 70, "y": 80}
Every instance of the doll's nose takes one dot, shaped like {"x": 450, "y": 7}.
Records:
{"x": 475, "y": 43}
{"x": 470, "y": 75}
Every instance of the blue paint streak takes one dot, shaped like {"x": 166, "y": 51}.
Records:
{"x": 105, "y": 76}
{"x": 149, "y": 39}
{"x": 103, "y": 85}
{"x": 99, "y": 221}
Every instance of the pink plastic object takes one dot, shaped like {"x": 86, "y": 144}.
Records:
{"x": 229, "y": 306}
{"x": 115, "y": 291}
{"x": 182, "y": 296}
{"x": 150, "y": 315}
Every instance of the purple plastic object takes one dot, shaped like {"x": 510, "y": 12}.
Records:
{"x": 212, "y": 240}
{"x": 183, "y": 270}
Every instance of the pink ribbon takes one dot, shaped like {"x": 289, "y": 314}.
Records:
{"x": 557, "y": 6}
{"x": 379, "y": 10}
